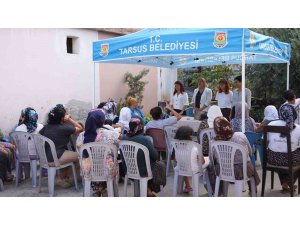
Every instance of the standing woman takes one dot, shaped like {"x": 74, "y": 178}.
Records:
{"x": 224, "y": 98}
{"x": 201, "y": 100}
{"x": 180, "y": 99}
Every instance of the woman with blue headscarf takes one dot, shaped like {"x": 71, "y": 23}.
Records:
{"x": 30, "y": 123}
{"x": 277, "y": 148}
{"x": 95, "y": 132}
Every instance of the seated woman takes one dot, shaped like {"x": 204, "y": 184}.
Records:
{"x": 59, "y": 128}
{"x": 124, "y": 118}
{"x": 277, "y": 148}
{"x": 95, "y": 132}
{"x": 8, "y": 150}
{"x": 270, "y": 114}
{"x": 224, "y": 132}
{"x": 236, "y": 122}
{"x": 158, "y": 122}
{"x": 134, "y": 109}
{"x": 29, "y": 125}
{"x": 136, "y": 134}
{"x": 213, "y": 112}
{"x": 186, "y": 133}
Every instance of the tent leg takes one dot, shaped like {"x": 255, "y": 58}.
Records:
{"x": 288, "y": 76}
{"x": 243, "y": 92}
{"x": 94, "y": 87}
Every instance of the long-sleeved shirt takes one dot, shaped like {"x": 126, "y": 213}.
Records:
{"x": 237, "y": 97}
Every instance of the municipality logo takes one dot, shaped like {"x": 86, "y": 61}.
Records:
{"x": 252, "y": 40}
{"x": 220, "y": 40}
{"x": 104, "y": 50}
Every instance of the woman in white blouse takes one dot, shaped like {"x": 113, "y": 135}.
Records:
{"x": 179, "y": 100}
{"x": 201, "y": 100}
{"x": 224, "y": 98}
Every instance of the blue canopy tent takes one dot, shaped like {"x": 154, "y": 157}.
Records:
{"x": 182, "y": 48}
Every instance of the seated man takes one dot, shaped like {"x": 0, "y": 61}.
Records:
{"x": 291, "y": 99}
{"x": 158, "y": 122}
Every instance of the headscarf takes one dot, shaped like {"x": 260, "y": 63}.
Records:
{"x": 136, "y": 127}
{"x": 213, "y": 112}
{"x": 236, "y": 122}
{"x": 222, "y": 129}
{"x": 288, "y": 113}
{"x": 271, "y": 113}
{"x": 94, "y": 121}
{"x": 31, "y": 118}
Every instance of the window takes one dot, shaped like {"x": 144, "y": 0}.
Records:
{"x": 72, "y": 45}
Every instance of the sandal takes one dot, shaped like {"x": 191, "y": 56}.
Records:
{"x": 187, "y": 190}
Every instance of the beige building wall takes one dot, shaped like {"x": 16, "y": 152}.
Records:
{"x": 112, "y": 80}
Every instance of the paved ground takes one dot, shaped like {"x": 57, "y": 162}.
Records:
{"x": 25, "y": 190}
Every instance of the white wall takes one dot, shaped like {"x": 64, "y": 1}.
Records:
{"x": 36, "y": 71}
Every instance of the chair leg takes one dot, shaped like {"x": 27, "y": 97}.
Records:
{"x": 87, "y": 188}
{"x": 195, "y": 183}
{"x": 33, "y": 165}
{"x": 180, "y": 184}
{"x": 175, "y": 184}
{"x": 143, "y": 187}
{"x": 272, "y": 180}
{"x": 168, "y": 163}
{"x": 264, "y": 174}
{"x": 51, "y": 180}
{"x": 40, "y": 179}
{"x": 298, "y": 185}
{"x": 1, "y": 185}
{"x": 217, "y": 186}
{"x": 137, "y": 191}
{"x": 75, "y": 176}
{"x": 17, "y": 172}
{"x": 208, "y": 185}
{"x": 225, "y": 188}
{"x": 238, "y": 186}
{"x": 110, "y": 188}
{"x": 253, "y": 187}
{"x": 292, "y": 185}
{"x": 115, "y": 187}
{"x": 125, "y": 185}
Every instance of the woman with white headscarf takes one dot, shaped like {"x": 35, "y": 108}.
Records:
{"x": 270, "y": 114}
{"x": 213, "y": 112}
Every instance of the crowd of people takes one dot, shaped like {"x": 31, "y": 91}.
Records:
{"x": 103, "y": 125}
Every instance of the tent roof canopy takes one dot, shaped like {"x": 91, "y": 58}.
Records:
{"x": 180, "y": 48}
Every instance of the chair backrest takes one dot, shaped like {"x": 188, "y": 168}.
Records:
{"x": 40, "y": 144}
{"x": 170, "y": 132}
{"x": 281, "y": 130}
{"x": 159, "y": 140}
{"x": 224, "y": 152}
{"x": 183, "y": 151}
{"x": 210, "y": 133}
{"x": 21, "y": 141}
{"x": 129, "y": 151}
{"x": 98, "y": 152}
{"x": 190, "y": 111}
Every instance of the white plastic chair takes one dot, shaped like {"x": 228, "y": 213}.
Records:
{"x": 170, "y": 132}
{"x": 210, "y": 133}
{"x": 1, "y": 185}
{"x": 183, "y": 150}
{"x": 129, "y": 151}
{"x": 40, "y": 143}
{"x": 97, "y": 153}
{"x": 21, "y": 140}
{"x": 224, "y": 152}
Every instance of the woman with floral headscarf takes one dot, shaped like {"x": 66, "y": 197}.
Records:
{"x": 95, "y": 132}
{"x": 277, "y": 148}
{"x": 224, "y": 132}
{"x": 136, "y": 134}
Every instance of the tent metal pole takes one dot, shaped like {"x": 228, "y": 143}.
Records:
{"x": 288, "y": 76}
{"x": 243, "y": 82}
{"x": 94, "y": 87}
